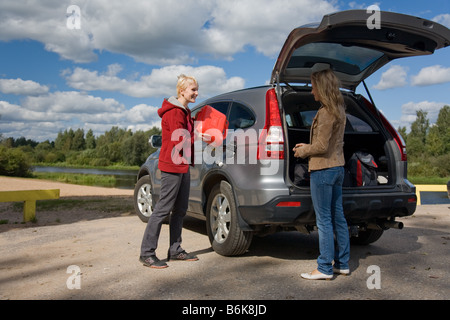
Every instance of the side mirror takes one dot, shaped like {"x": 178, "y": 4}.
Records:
{"x": 155, "y": 141}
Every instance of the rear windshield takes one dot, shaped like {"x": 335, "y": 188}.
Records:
{"x": 346, "y": 59}
{"x": 303, "y": 120}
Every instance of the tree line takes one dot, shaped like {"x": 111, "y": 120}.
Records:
{"x": 428, "y": 148}
{"x": 116, "y": 147}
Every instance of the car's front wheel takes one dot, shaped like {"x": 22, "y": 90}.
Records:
{"x": 143, "y": 199}
{"x": 223, "y": 229}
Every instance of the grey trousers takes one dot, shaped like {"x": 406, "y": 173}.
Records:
{"x": 173, "y": 198}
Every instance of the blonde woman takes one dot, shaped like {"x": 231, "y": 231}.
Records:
{"x": 174, "y": 159}
{"x": 326, "y": 161}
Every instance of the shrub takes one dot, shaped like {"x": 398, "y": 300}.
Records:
{"x": 14, "y": 162}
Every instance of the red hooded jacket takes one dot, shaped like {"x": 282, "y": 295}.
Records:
{"x": 177, "y": 150}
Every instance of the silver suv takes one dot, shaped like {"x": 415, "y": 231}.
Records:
{"x": 248, "y": 186}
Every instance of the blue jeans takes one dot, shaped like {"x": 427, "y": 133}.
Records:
{"x": 326, "y": 194}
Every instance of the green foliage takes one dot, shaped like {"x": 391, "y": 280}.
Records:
{"x": 14, "y": 162}
{"x": 429, "y": 146}
{"x": 75, "y": 148}
{"x": 80, "y": 179}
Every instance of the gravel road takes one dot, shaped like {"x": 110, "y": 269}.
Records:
{"x": 97, "y": 258}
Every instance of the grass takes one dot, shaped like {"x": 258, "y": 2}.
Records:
{"x": 79, "y": 179}
{"x": 428, "y": 180}
{"x": 65, "y": 165}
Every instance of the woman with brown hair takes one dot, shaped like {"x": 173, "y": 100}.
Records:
{"x": 326, "y": 166}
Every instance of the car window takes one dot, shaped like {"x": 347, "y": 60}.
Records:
{"x": 219, "y": 106}
{"x": 355, "y": 124}
{"x": 240, "y": 117}
{"x": 347, "y": 59}
{"x": 307, "y": 118}
{"x": 304, "y": 119}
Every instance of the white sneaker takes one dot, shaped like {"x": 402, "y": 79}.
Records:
{"x": 344, "y": 272}
{"x": 318, "y": 276}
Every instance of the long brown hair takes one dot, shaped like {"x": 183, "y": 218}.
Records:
{"x": 327, "y": 85}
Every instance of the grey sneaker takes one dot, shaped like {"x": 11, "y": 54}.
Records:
{"x": 153, "y": 262}
{"x": 182, "y": 256}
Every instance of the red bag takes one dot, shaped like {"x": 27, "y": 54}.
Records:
{"x": 209, "y": 118}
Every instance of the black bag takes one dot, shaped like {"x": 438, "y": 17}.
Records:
{"x": 301, "y": 175}
{"x": 361, "y": 170}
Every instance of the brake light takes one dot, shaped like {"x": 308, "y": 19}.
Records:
{"x": 289, "y": 204}
{"x": 271, "y": 139}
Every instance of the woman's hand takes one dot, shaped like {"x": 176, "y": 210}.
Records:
{"x": 297, "y": 148}
{"x": 202, "y": 136}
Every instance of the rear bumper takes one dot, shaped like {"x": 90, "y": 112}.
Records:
{"x": 358, "y": 209}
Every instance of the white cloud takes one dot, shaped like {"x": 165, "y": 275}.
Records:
{"x": 41, "y": 118}
{"x": 46, "y": 23}
{"x": 394, "y": 77}
{"x": 363, "y": 6}
{"x": 22, "y": 87}
{"x": 11, "y": 112}
{"x": 431, "y": 75}
{"x": 40, "y": 132}
{"x": 72, "y": 102}
{"x": 443, "y": 19}
{"x": 142, "y": 114}
{"x": 159, "y": 83}
{"x": 162, "y": 32}
{"x": 409, "y": 111}
{"x": 262, "y": 24}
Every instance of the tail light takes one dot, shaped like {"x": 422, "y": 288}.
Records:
{"x": 271, "y": 139}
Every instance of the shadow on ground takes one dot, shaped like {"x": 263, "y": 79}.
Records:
{"x": 65, "y": 210}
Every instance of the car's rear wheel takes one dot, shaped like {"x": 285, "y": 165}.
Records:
{"x": 222, "y": 225}
{"x": 367, "y": 237}
{"x": 143, "y": 199}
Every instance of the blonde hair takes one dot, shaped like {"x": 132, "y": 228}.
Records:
{"x": 183, "y": 82}
{"x": 326, "y": 86}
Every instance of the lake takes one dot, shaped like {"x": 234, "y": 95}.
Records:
{"x": 125, "y": 179}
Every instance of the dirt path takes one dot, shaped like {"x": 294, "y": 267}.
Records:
{"x": 66, "y": 190}
{"x": 95, "y": 239}
{"x": 76, "y": 203}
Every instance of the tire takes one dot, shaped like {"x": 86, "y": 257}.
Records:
{"x": 225, "y": 235}
{"x": 143, "y": 198}
{"x": 367, "y": 237}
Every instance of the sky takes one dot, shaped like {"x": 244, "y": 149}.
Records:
{"x": 106, "y": 63}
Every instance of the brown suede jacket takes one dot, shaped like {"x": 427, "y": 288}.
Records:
{"x": 326, "y": 148}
